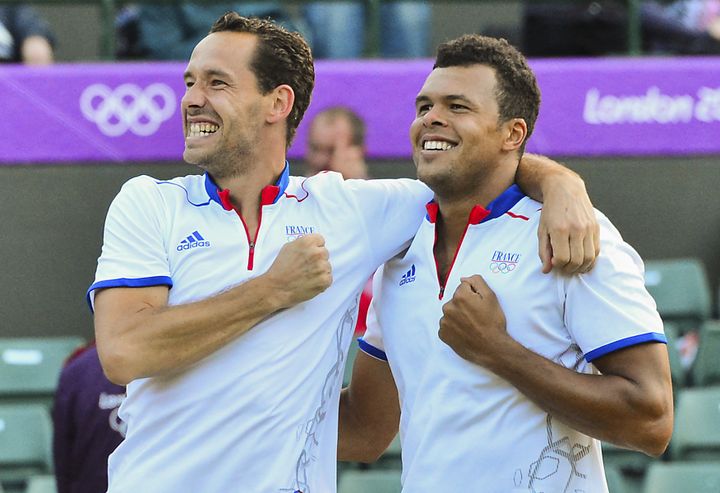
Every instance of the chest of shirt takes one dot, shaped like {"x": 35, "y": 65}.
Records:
{"x": 504, "y": 253}
{"x": 210, "y": 249}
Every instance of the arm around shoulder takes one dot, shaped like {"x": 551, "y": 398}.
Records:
{"x": 568, "y": 234}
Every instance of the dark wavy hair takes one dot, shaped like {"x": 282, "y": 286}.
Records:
{"x": 281, "y": 57}
{"x": 517, "y": 92}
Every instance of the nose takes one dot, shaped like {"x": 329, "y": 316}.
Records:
{"x": 194, "y": 97}
{"x": 434, "y": 117}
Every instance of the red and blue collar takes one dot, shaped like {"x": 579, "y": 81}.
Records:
{"x": 479, "y": 214}
{"x": 269, "y": 195}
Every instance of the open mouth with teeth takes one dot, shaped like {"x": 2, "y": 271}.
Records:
{"x": 437, "y": 145}
{"x": 201, "y": 129}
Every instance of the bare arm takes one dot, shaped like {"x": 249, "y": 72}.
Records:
{"x": 139, "y": 335}
{"x": 630, "y": 404}
{"x": 569, "y": 233}
{"x": 369, "y": 411}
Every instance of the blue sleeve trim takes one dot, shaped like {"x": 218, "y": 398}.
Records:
{"x": 371, "y": 350}
{"x": 623, "y": 343}
{"x": 138, "y": 282}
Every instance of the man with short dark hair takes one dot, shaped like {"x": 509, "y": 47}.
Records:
{"x": 502, "y": 379}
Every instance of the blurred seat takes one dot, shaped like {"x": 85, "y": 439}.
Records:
{"x": 624, "y": 460}
{"x": 697, "y": 425}
{"x": 30, "y": 367}
{"x": 45, "y": 483}
{"x": 683, "y": 477}
{"x": 615, "y": 480}
{"x": 677, "y": 370}
{"x": 681, "y": 290}
{"x": 706, "y": 368}
{"x": 370, "y": 481}
{"x": 352, "y": 353}
{"x": 392, "y": 457}
{"x": 25, "y": 443}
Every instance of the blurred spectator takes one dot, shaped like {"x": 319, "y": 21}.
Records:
{"x": 683, "y": 26}
{"x": 336, "y": 142}
{"x": 687, "y": 27}
{"x": 171, "y": 31}
{"x": 24, "y": 36}
{"x": 86, "y": 424}
{"x": 338, "y": 28}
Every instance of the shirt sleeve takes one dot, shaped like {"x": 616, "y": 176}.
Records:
{"x": 371, "y": 342}
{"x": 134, "y": 252}
{"x": 609, "y": 308}
{"x": 391, "y": 210}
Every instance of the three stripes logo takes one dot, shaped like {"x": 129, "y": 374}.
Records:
{"x": 409, "y": 276}
{"x": 194, "y": 240}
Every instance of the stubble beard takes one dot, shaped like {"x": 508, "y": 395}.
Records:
{"x": 229, "y": 161}
{"x": 440, "y": 181}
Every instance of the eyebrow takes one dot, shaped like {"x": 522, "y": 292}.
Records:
{"x": 209, "y": 73}
{"x": 448, "y": 97}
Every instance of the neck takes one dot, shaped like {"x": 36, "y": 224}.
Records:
{"x": 246, "y": 189}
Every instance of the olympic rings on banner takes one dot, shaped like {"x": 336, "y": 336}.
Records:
{"x": 128, "y": 107}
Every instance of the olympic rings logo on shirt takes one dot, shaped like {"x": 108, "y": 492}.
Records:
{"x": 502, "y": 267}
{"x": 128, "y": 107}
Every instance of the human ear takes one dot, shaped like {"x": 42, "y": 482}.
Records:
{"x": 282, "y": 99}
{"x": 516, "y": 129}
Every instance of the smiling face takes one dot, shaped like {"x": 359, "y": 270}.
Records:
{"x": 457, "y": 137}
{"x": 223, "y": 109}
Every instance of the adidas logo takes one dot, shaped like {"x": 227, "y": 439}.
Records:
{"x": 195, "y": 240}
{"x": 409, "y": 276}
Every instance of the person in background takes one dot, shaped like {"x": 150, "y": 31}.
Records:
{"x": 339, "y": 28}
{"x": 171, "y": 31}
{"x": 336, "y": 142}
{"x": 599, "y": 28}
{"x": 25, "y": 37}
{"x": 689, "y": 27}
{"x": 86, "y": 425}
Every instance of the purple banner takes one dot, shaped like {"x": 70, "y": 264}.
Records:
{"x": 131, "y": 112}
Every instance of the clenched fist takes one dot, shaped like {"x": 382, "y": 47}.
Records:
{"x": 301, "y": 270}
{"x": 473, "y": 323}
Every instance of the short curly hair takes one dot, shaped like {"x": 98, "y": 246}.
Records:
{"x": 281, "y": 57}
{"x": 518, "y": 95}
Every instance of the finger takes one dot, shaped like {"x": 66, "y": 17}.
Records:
{"x": 577, "y": 255}
{"x": 560, "y": 251}
{"x": 596, "y": 239}
{"x": 315, "y": 239}
{"x": 477, "y": 284}
{"x": 589, "y": 251}
{"x": 544, "y": 250}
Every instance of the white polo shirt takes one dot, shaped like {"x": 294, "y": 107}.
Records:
{"x": 462, "y": 427}
{"x": 260, "y": 414}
